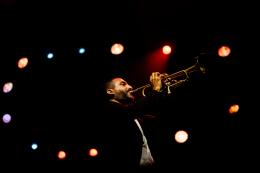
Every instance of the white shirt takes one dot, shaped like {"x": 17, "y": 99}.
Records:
{"x": 146, "y": 157}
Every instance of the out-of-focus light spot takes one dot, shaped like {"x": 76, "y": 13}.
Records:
{"x": 117, "y": 48}
{"x": 61, "y": 155}
{"x": 81, "y": 50}
{"x": 50, "y": 55}
{"x": 224, "y": 51}
{"x": 34, "y": 146}
{"x": 93, "y": 152}
{"x": 166, "y": 49}
{"x": 22, "y": 63}
{"x": 233, "y": 109}
{"x": 181, "y": 136}
{"x": 7, "y": 87}
{"x": 7, "y": 118}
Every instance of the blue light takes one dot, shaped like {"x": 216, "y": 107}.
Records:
{"x": 50, "y": 55}
{"x": 81, "y": 50}
{"x": 34, "y": 146}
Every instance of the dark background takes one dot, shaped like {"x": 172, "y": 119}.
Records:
{"x": 56, "y": 102}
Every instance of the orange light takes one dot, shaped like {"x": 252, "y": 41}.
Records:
{"x": 93, "y": 152}
{"x": 22, "y": 63}
{"x": 61, "y": 155}
{"x": 224, "y": 51}
{"x": 7, "y": 87}
{"x": 233, "y": 109}
{"x": 117, "y": 48}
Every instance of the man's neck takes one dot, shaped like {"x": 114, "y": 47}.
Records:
{"x": 119, "y": 102}
{"x": 114, "y": 100}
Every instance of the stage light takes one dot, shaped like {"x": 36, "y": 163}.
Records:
{"x": 50, "y": 55}
{"x": 224, "y": 51}
{"x": 166, "y": 49}
{"x": 117, "y": 48}
{"x": 61, "y": 155}
{"x": 23, "y": 62}
{"x": 34, "y": 146}
{"x": 7, "y": 87}
{"x": 7, "y": 118}
{"x": 93, "y": 152}
{"x": 181, "y": 136}
{"x": 81, "y": 50}
{"x": 233, "y": 109}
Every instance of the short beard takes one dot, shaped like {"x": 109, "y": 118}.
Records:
{"x": 126, "y": 99}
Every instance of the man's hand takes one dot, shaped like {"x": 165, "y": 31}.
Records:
{"x": 156, "y": 81}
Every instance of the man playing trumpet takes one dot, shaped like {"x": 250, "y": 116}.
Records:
{"x": 125, "y": 144}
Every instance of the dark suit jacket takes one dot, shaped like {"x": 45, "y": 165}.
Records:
{"x": 121, "y": 139}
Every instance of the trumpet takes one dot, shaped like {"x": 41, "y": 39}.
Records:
{"x": 172, "y": 81}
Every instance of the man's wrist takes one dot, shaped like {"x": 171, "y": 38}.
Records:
{"x": 159, "y": 89}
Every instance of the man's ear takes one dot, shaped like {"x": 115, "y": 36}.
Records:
{"x": 110, "y": 91}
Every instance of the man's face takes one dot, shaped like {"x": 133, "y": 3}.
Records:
{"x": 122, "y": 90}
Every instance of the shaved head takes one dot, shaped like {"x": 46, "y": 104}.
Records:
{"x": 118, "y": 89}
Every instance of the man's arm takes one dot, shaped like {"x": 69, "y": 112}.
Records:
{"x": 154, "y": 95}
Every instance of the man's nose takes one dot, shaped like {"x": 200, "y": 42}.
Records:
{"x": 130, "y": 87}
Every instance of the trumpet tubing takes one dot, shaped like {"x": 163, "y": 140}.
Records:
{"x": 172, "y": 81}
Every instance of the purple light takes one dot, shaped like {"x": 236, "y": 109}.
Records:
{"x": 6, "y": 118}
{"x": 7, "y": 87}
